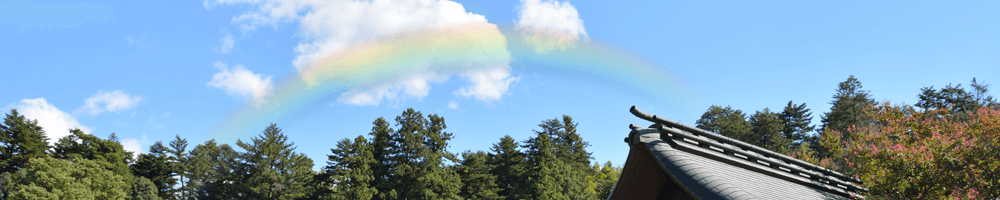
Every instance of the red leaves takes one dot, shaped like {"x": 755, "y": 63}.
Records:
{"x": 907, "y": 153}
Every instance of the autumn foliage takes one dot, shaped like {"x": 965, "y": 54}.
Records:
{"x": 906, "y": 153}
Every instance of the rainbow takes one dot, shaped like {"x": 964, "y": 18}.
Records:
{"x": 451, "y": 50}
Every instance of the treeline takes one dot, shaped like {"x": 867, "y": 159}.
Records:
{"x": 408, "y": 160}
{"x": 944, "y": 146}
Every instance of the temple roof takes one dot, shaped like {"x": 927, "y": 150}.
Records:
{"x": 705, "y": 165}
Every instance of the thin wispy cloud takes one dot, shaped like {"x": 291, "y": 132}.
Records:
{"x": 114, "y": 101}
{"x": 227, "y": 41}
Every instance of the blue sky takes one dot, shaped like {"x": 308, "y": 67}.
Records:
{"x": 149, "y": 70}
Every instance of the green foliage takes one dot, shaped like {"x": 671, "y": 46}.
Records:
{"x": 212, "y": 170}
{"x": 956, "y": 98}
{"x": 143, "y": 189}
{"x": 420, "y": 149}
{"x": 20, "y": 140}
{"x": 349, "y": 171}
{"x": 177, "y": 158}
{"x": 543, "y": 170}
{"x": 383, "y": 149}
{"x": 551, "y": 177}
{"x": 273, "y": 169}
{"x": 606, "y": 179}
{"x": 477, "y": 181}
{"x": 108, "y": 154}
{"x": 797, "y": 119}
{"x": 726, "y": 121}
{"x": 847, "y": 110}
{"x": 156, "y": 167}
{"x": 508, "y": 166}
{"x": 767, "y": 132}
{"x": 77, "y": 178}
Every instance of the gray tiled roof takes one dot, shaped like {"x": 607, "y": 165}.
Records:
{"x": 711, "y": 166}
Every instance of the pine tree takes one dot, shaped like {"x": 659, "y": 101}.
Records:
{"x": 572, "y": 168}
{"x": 477, "y": 182}
{"x": 420, "y": 147}
{"x": 956, "y": 98}
{"x": 178, "y": 154}
{"x": 213, "y": 171}
{"x": 382, "y": 150}
{"x": 508, "y": 167}
{"x": 847, "y": 110}
{"x": 728, "y": 122}
{"x": 570, "y": 147}
{"x": 274, "y": 170}
{"x": 155, "y": 166}
{"x": 543, "y": 170}
{"x": 21, "y": 139}
{"x": 767, "y": 129}
{"x": 797, "y": 119}
{"x": 350, "y": 170}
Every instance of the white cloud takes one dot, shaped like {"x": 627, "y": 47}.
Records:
{"x": 113, "y": 101}
{"x": 133, "y": 145}
{"x": 327, "y": 27}
{"x": 416, "y": 86}
{"x": 241, "y": 83}
{"x": 550, "y": 24}
{"x": 452, "y": 104}
{"x": 55, "y": 122}
{"x": 487, "y": 85}
{"x": 227, "y": 41}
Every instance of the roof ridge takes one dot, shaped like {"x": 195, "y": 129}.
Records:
{"x": 731, "y": 147}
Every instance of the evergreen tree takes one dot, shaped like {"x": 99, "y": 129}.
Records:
{"x": 155, "y": 167}
{"x": 274, "y": 170}
{"x": 956, "y": 98}
{"x": 108, "y": 154}
{"x": 214, "y": 171}
{"x": 143, "y": 189}
{"x": 477, "y": 182}
{"x": 508, "y": 166}
{"x": 382, "y": 150}
{"x": 606, "y": 179}
{"x": 573, "y": 166}
{"x": 767, "y": 130}
{"x": 178, "y": 154}
{"x": 543, "y": 170}
{"x": 350, "y": 170}
{"x": 728, "y": 122}
{"x": 421, "y": 147}
{"x": 797, "y": 119}
{"x": 21, "y": 139}
{"x": 569, "y": 146}
{"x": 847, "y": 110}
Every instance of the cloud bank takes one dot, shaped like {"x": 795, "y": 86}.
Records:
{"x": 327, "y": 27}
